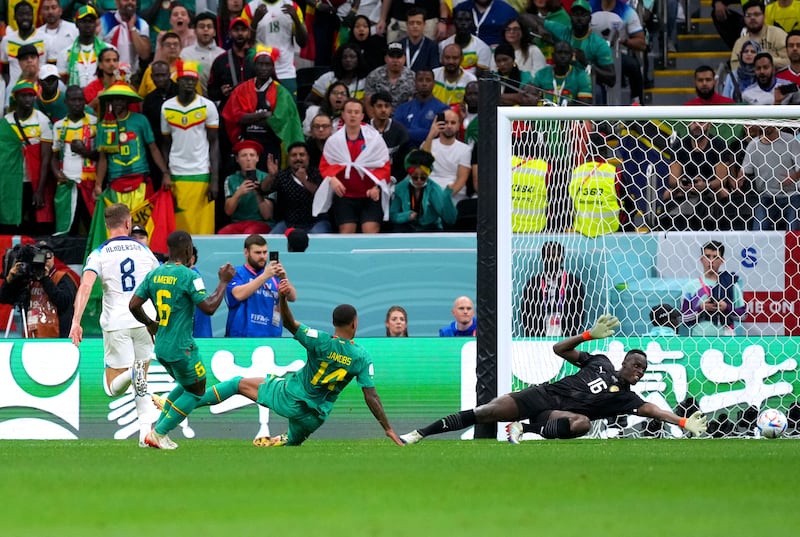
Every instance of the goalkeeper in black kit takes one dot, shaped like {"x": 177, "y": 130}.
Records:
{"x": 565, "y": 409}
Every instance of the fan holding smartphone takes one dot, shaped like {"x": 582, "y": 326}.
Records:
{"x": 788, "y": 92}
{"x": 767, "y": 90}
{"x": 252, "y": 294}
{"x": 453, "y": 163}
{"x": 245, "y": 203}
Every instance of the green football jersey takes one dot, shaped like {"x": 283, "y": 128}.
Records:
{"x": 130, "y": 136}
{"x": 175, "y": 290}
{"x": 331, "y": 364}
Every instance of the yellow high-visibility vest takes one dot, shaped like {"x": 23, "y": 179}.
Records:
{"x": 528, "y": 195}
{"x": 594, "y": 196}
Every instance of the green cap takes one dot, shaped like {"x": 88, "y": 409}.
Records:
{"x": 581, "y": 4}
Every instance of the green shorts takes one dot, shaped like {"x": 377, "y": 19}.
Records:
{"x": 303, "y": 420}
{"x": 186, "y": 371}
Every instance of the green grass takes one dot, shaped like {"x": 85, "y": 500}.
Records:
{"x": 371, "y": 488}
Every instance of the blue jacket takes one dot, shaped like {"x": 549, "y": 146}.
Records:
{"x": 258, "y": 315}
{"x": 424, "y": 57}
{"x": 452, "y": 331}
{"x": 418, "y": 117}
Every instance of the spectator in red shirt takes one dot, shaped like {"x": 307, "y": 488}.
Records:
{"x": 356, "y": 166}
{"x": 705, "y": 87}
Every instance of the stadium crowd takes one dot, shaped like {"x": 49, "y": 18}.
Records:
{"x": 239, "y": 109}
{"x": 376, "y": 130}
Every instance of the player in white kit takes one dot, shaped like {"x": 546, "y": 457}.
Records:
{"x": 120, "y": 263}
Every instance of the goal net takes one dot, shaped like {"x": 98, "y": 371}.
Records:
{"x": 680, "y": 221}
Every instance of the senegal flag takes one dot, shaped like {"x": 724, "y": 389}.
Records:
{"x": 12, "y": 175}
{"x": 156, "y": 214}
{"x": 284, "y": 121}
{"x": 161, "y": 220}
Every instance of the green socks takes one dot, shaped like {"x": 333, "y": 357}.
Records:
{"x": 180, "y": 403}
{"x": 180, "y": 408}
{"x": 220, "y": 391}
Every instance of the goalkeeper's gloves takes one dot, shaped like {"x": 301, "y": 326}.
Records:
{"x": 604, "y": 327}
{"x": 695, "y": 424}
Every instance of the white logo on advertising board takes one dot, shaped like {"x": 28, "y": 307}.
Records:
{"x": 50, "y": 365}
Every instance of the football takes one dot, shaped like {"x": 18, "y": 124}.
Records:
{"x": 771, "y": 423}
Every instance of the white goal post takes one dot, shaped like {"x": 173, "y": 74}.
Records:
{"x": 665, "y": 245}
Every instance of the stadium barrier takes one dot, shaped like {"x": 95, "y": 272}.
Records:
{"x": 424, "y": 273}
{"x": 52, "y": 390}
{"x": 49, "y": 389}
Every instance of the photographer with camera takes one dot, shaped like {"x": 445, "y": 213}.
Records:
{"x": 43, "y": 294}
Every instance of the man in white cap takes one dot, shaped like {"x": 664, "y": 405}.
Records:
{"x": 51, "y": 99}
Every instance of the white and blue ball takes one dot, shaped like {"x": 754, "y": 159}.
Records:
{"x": 771, "y": 423}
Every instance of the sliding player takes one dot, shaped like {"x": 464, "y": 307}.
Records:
{"x": 306, "y": 398}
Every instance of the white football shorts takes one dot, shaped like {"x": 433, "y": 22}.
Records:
{"x": 123, "y": 346}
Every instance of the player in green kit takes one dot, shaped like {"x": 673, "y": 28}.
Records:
{"x": 176, "y": 289}
{"x": 306, "y": 397}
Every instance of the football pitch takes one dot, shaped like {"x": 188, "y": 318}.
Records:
{"x": 372, "y": 488}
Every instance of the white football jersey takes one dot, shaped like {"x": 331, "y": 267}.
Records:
{"x": 188, "y": 124}
{"x": 121, "y": 264}
{"x": 276, "y": 30}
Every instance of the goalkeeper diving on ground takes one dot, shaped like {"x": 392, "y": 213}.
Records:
{"x": 566, "y": 408}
